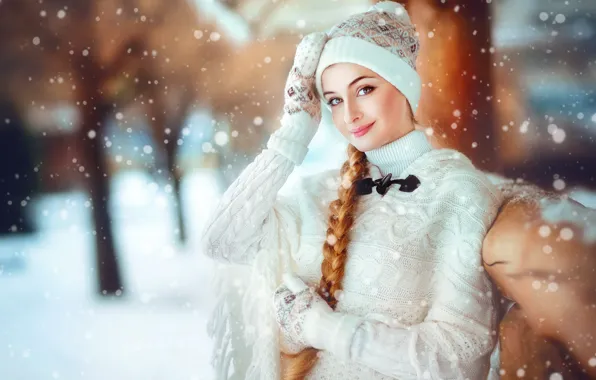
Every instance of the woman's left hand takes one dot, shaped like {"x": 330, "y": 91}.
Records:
{"x": 294, "y": 301}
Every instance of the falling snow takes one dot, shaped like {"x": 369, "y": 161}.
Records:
{"x": 221, "y": 138}
{"x": 163, "y": 282}
{"x": 167, "y": 286}
{"x": 214, "y": 36}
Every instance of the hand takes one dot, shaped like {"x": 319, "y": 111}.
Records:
{"x": 294, "y": 301}
{"x": 300, "y": 90}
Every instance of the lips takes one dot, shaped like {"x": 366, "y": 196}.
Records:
{"x": 362, "y": 130}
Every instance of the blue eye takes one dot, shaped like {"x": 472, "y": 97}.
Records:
{"x": 332, "y": 102}
{"x": 367, "y": 89}
{"x": 363, "y": 91}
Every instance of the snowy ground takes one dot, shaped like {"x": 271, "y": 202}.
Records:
{"x": 52, "y": 324}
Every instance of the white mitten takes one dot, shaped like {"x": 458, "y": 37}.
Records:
{"x": 294, "y": 301}
{"x": 302, "y": 109}
{"x": 306, "y": 320}
{"x": 300, "y": 90}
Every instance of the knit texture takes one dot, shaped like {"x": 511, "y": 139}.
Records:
{"x": 292, "y": 139}
{"x": 302, "y": 110}
{"x": 396, "y": 156}
{"x": 386, "y": 25}
{"x": 414, "y": 271}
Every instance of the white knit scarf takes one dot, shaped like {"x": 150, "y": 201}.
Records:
{"x": 242, "y": 325}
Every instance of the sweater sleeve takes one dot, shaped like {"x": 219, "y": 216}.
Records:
{"x": 251, "y": 213}
{"x": 459, "y": 333}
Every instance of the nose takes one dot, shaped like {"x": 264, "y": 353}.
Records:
{"x": 352, "y": 112}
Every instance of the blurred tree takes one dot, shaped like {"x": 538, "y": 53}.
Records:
{"x": 455, "y": 65}
{"x": 18, "y": 179}
{"x": 99, "y": 49}
{"x": 158, "y": 58}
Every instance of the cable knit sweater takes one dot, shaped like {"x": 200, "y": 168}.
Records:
{"x": 417, "y": 301}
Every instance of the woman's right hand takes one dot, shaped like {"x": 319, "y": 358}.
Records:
{"x": 302, "y": 108}
{"x": 300, "y": 90}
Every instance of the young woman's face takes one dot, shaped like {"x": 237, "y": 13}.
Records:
{"x": 367, "y": 110}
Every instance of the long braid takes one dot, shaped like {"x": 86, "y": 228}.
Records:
{"x": 341, "y": 218}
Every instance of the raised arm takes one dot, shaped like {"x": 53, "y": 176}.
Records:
{"x": 250, "y": 211}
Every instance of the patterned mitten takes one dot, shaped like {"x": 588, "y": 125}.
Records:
{"x": 302, "y": 108}
{"x": 300, "y": 87}
{"x": 293, "y": 301}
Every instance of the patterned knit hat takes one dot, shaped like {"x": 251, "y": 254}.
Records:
{"x": 381, "y": 39}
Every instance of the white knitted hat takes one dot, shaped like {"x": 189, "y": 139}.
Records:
{"x": 381, "y": 39}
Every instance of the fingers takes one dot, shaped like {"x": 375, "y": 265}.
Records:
{"x": 300, "y": 92}
{"x": 309, "y": 51}
{"x": 294, "y": 283}
{"x": 282, "y": 295}
{"x": 316, "y": 39}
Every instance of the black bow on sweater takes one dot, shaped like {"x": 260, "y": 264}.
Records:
{"x": 365, "y": 186}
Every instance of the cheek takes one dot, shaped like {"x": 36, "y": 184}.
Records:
{"x": 392, "y": 109}
{"x": 376, "y": 108}
{"x": 387, "y": 106}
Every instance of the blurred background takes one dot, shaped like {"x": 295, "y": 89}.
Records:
{"x": 123, "y": 121}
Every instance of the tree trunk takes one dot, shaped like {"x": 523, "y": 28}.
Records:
{"x": 176, "y": 179}
{"x": 95, "y": 114}
{"x": 173, "y": 120}
{"x": 455, "y": 67}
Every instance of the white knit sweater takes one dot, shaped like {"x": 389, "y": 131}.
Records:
{"x": 417, "y": 301}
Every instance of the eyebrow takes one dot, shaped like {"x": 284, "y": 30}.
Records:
{"x": 351, "y": 83}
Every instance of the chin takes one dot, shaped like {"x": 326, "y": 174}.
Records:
{"x": 363, "y": 146}
{"x": 367, "y": 142}
{"x": 364, "y": 143}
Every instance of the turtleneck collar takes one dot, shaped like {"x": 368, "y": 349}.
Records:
{"x": 396, "y": 156}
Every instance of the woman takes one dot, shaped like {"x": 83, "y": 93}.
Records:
{"x": 382, "y": 282}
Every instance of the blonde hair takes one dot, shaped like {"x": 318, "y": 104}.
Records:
{"x": 341, "y": 218}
